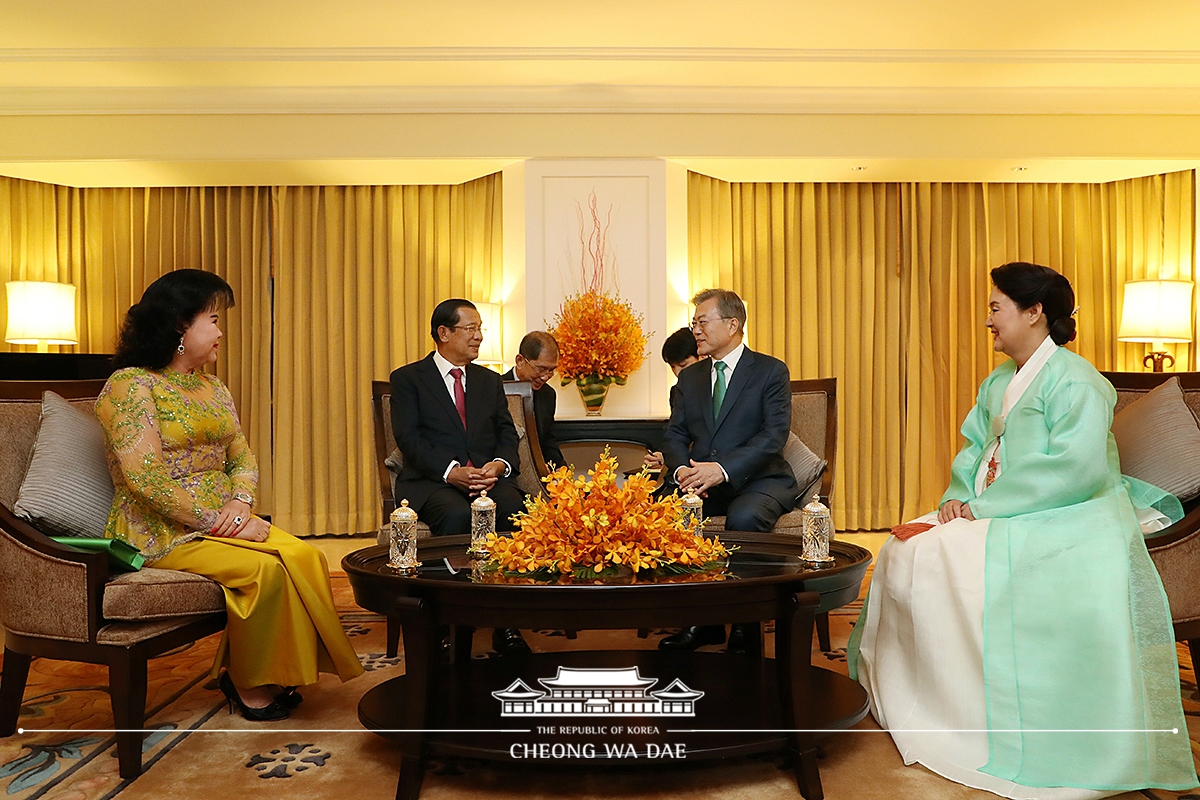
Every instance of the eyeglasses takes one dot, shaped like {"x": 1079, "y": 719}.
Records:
{"x": 471, "y": 329}
{"x": 541, "y": 370}
{"x": 700, "y": 323}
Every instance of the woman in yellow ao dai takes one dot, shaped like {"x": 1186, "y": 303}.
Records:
{"x": 185, "y": 481}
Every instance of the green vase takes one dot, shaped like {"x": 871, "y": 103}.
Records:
{"x": 592, "y": 391}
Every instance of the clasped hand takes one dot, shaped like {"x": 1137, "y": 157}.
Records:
{"x": 473, "y": 480}
{"x": 953, "y": 509}
{"x": 700, "y": 476}
{"x": 234, "y": 521}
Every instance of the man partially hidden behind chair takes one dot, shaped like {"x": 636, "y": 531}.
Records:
{"x": 452, "y": 424}
{"x": 726, "y": 434}
{"x": 536, "y": 362}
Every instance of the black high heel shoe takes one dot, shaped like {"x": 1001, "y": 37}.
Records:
{"x": 289, "y": 698}
{"x": 269, "y": 713}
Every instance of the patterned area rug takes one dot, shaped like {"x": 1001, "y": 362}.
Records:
{"x": 198, "y": 750}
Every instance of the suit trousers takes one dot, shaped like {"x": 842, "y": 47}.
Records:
{"x": 447, "y": 511}
{"x": 745, "y": 510}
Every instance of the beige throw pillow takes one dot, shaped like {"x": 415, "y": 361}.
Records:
{"x": 805, "y": 464}
{"x": 67, "y": 490}
{"x": 1159, "y": 441}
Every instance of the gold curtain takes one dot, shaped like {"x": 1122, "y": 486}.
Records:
{"x": 113, "y": 243}
{"x": 885, "y": 287}
{"x": 358, "y": 271}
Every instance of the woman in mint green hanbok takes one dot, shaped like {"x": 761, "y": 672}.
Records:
{"x": 1021, "y": 643}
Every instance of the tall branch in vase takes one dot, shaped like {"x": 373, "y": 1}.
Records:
{"x": 600, "y": 338}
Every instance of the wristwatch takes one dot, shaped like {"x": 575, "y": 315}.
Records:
{"x": 244, "y": 497}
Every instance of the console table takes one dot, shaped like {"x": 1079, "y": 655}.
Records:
{"x": 645, "y": 431}
{"x": 739, "y": 703}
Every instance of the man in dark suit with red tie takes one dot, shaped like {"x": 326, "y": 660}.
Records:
{"x": 452, "y": 424}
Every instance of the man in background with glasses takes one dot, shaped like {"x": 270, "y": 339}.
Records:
{"x": 726, "y": 434}
{"x": 536, "y": 362}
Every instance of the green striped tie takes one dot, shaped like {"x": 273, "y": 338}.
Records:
{"x": 719, "y": 388}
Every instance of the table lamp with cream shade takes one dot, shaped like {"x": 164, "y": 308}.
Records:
{"x": 491, "y": 352}
{"x": 1158, "y": 312}
{"x": 41, "y": 313}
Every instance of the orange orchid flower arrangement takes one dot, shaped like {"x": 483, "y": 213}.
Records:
{"x": 600, "y": 337}
{"x": 587, "y": 527}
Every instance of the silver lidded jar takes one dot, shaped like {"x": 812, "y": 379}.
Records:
{"x": 817, "y": 532}
{"x": 483, "y": 523}
{"x": 402, "y": 543}
{"x": 693, "y": 510}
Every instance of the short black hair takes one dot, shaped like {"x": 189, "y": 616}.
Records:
{"x": 153, "y": 325}
{"x": 446, "y": 314}
{"x": 534, "y": 343}
{"x": 1029, "y": 284}
{"x": 678, "y": 346}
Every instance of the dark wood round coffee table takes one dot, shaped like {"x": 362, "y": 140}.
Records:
{"x": 596, "y": 707}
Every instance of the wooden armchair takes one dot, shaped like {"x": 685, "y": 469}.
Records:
{"x": 1176, "y": 549}
{"x": 389, "y": 461}
{"x": 63, "y": 603}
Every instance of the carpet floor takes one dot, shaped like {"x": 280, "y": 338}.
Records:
{"x": 198, "y": 750}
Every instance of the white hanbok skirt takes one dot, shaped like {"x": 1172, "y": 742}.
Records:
{"x": 921, "y": 656}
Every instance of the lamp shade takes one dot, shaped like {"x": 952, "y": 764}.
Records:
{"x": 40, "y": 312}
{"x": 1156, "y": 311}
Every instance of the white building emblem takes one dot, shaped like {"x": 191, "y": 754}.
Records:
{"x": 597, "y": 692}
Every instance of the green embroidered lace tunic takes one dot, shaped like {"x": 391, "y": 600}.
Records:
{"x": 176, "y": 453}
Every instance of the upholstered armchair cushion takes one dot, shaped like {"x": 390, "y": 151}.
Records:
{"x": 67, "y": 490}
{"x": 160, "y": 594}
{"x": 1159, "y": 441}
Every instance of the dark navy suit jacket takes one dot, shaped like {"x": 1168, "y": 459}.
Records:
{"x": 748, "y": 436}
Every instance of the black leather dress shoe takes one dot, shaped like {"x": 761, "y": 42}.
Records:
{"x": 692, "y": 637}
{"x": 508, "y": 642}
{"x": 737, "y": 638}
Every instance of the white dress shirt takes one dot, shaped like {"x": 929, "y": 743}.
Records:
{"x": 444, "y": 368}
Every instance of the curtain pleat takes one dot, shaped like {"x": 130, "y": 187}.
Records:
{"x": 885, "y": 287}
{"x": 358, "y": 271}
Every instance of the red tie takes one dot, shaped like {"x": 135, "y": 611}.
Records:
{"x": 460, "y": 395}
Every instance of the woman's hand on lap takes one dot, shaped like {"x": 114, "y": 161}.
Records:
{"x": 231, "y": 519}
{"x": 254, "y": 529}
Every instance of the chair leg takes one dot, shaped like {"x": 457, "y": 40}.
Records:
{"x": 127, "y": 689}
{"x": 12, "y": 689}
{"x": 1193, "y": 650}
{"x": 821, "y": 623}
{"x": 393, "y": 637}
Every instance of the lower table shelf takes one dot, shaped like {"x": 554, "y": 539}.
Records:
{"x": 738, "y": 712}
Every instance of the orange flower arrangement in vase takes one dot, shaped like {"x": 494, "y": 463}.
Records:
{"x": 590, "y": 527}
{"x": 600, "y": 338}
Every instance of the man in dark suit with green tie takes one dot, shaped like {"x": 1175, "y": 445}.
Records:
{"x": 727, "y": 430}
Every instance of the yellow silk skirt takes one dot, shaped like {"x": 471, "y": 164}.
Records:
{"x": 282, "y": 627}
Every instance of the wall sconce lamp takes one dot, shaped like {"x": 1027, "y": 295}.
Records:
{"x": 41, "y": 313}
{"x": 491, "y": 351}
{"x": 1157, "y": 312}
